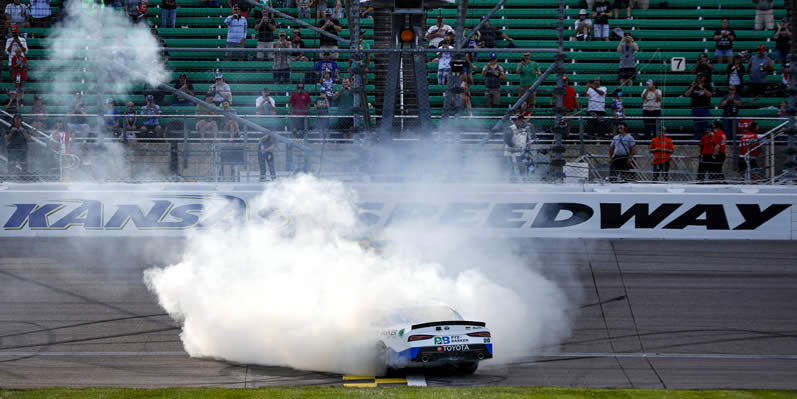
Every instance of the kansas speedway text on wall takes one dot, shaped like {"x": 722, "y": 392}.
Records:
{"x": 571, "y": 211}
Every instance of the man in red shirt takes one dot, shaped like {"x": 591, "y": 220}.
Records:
{"x": 720, "y": 141}
{"x": 299, "y": 103}
{"x": 748, "y": 141}
{"x": 706, "y": 155}
{"x": 661, "y": 148}
{"x": 569, "y": 103}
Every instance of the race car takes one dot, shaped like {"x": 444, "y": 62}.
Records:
{"x": 433, "y": 336}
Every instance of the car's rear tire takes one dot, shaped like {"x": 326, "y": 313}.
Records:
{"x": 467, "y": 368}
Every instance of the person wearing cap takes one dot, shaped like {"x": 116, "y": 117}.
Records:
{"x": 749, "y": 143}
{"x": 651, "y": 107}
{"x": 304, "y": 8}
{"x": 730, "y": 105}
{"x": 661, "y": 148}
{"x": 40, "y": 13}
{"x": 16, "y": 140}
{"x": 220, "y": 91}
{"x": 782, "y": 40}
{"x": 344, "y": 101}
{"x": 185, "y": 86}
{"x": 529, "y": 71}
{"x": 490, "y": 35}
{"x": 582, "y": 26}
{"x": 437, "y": 32}
{"x": 136, "y": 10}
{"x": 17, "y": 14}
{"x": 621, "y": 154}
{"x": 282, "y": 65}
{"x": 366, "y": 11}
{"x": 265, "y": 28}
{"x": 236, "y": 33}
{"x": 150, "y": 114}
{"x": 443, "y": 63}
{"x": 723, "y": 42}
{"x": 617, "y": 108}
{"x": 569, "y": 103}
{"x": 327, "y": 64}
{"x": 230, "y": 124}
{"x": 265, "y": 105}
{"x": 759, "y": 67}
{"x": 12, "y": 106}
{"x": 764, "y": 15}
{"x": 112, "y": 118}
{"x": 493, "y": 77}
{"x": 601, "y": 12}
{"x": 243, "y": 5}
{"x": 332, "y": 26}
{"x": 14, "y": 42}
{"x": 323, "y": 103}
{"x": 627, "y": 49}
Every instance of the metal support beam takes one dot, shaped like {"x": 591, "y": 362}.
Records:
{"x": 389, "y": 102}
{"x": 299, "y": 22}
{"x": 556, "y": 172}
{"x": 356, "y": 62}
{"x": 485, "y": 18}
{"x": 422, "y": 91}
{"x": 791, "y": 143}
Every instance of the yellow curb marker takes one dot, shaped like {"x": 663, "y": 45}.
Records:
{"x": 370, "y": 382}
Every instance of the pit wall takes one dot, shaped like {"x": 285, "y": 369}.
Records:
{"x": 501, "y": 210}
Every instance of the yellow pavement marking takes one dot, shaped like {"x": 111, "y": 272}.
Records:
{"x": 391, "y": 380}
{"x": 373, "y": 383}
{"x": 360, "y": 385}
{"x": 358, "y": 377}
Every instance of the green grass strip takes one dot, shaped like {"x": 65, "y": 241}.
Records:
{"x": 387, "y": 392}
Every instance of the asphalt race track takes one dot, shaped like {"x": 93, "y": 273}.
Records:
{"x": 700, "y": 314}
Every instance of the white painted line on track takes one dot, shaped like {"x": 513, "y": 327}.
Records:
{"x": 669, "y": 355}
{"x": 93, "y": 354}
{"x": 416, "y": 381}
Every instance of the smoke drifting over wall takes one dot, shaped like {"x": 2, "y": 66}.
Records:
{"x": 295, "y": 288}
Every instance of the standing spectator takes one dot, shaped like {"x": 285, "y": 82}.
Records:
{"x": 661, "y": 148}
{"x": 764, "y": 16}
{"x": 619, "y": 5}
{"x": 19, "y": 72}
{"x": 78, "y": 123}
{"x": 17, "y": 14}
{"x": 464, "y": 96}
{"x": 265, "y": 105}
{"x": 321, "y": 8}
{"x": 299, "y": 103}
{"x": 236, "y": 33}
{"x": 493, "y": 76}
{"x": 327, "y": 64}
{"x": 168, "y": 13}
{"x": 39, "y": 110}
{"x": 783, "y": 41}
{"x": 700, "y": 95}
{"x": 61, "y": 136}
{"x": 706, "y": 155}
{"x": 529, "y": 71}
{"x": 583, "y": 26}
{"x": 720, "y": 142}
{"x": 185, "y": 86}
{"x": 444, "y": 64}
{"x": 265, "y": 156}
{"x": 596, "y": 107}
{"x": 282, "y": 66}
{"x": 471, "y": 57}
{"x": 243, "y": 5}
{"x": 16, "y": 140}
{"x": 130, "y": 122}
{"x": 205, "y": 123}
{"x": 220, "y": 91}
{"x": 651, "y": 107}
{"x": 735, "y": 73}
{"x": 642, "y": 4}
{"x": 730, "y": 111}
{"x": 151, "y": 115}
{"x": 515, "y": 146}
{"x": 339, "y": 12}
{"x": 366, "y": 10}
{"x": 326, "y": 82}
{"x": 601, "y": 12}
{"x": 265, "y": 28}
{"x": 344, "y": 101}
{"x": 330, "y": 25}
{"x": 13, "y": 42}
{"x": 490, "y": 35}
{"x": 136, "y": 10}
{"x": 322, "y": 106}
{"x": 759, "y": 67}
{"x": 367, "y": 62}
{"x": 40, "y": 13}
{"x": 230, "y": 124}
{"x": 436, "y": 33}
{"x": 618, "y": 110}
{"x": 723, "y": 45}
{"x": 570, "y": 104}
{"x": 703, "y": 66}
{"x": 749, "y": 143}
{"x": 112, "y": 118}
{"x": 627, "y": 49}
{"x": 297, "y": 42}
{"x": 12, "y": 107}
{"x": 621, "y": 155}
{"x": 304, "y": 8}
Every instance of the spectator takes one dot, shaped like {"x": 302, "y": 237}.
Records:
{"x": 706, "y": 155}
{"x": 243, "y": 5}
{"x": 661, "y": 148}
{"x": 321, "y": 8}
{"x": 281, "y": 66}
{"x": 322, "y": 106}
{"x": 749, "y": 143}
{"x": 12, "y": 107}
{"x": 700, "y": 95}
{"x": 265, "y": 28}
{"x": 265, "y": 105}
{"x": 703, "y": 66}
{"x": 327, "y": 64}
{"x": 16, "y": 140}
{"x": 764, "y": 16}
{"x": 326, "y": 82}
{"x": 304, "y": 8}
{"x": 642, "y": 4}
{"x": 759, "y": 67}
{"x": 17, "y": 14}
{"x": 39, "y": 110}
{"x": 651, "y": 107}
{"x": 470, "y": 58}
{"x": 168, "y": 13}
{"x": 205, "y": 123}
{"x": 620, "y": 4}
{"x": 13, "y": 42}
{"x": 621, "y": 155}
{"x": 618, "y": 110}
{"x": 299, "y": 103}
{"x": 220, "y": 91}
{"x": 366, "y": 11}
{"x": 230, "y": 124}
{"x": 436, "y": 33}
{"x": 490, "y": 35}
{"x": 464, "y": 95}
{"x": 332, "y": 26}
{"x": 236, "y": 33}
{"x": 61, "y": 136}
{"x": 515, "y": 146}
{"x": 493, "y": 76}
{"x": 130, "y": 122}
{"x": 720, "y": 141}
{"x": 116, "y": 4}
{"x": 344, "y": 101}
{"x": 627, "y": 49}
{"x": 78, "y": 123}
{"x": 723, "y": 45}
{"x": 19, "y": 72}
{"x": 151, "y": 115}
{"x": 596, "y": 107}
{"x": 297, "y": 42}
{"x": 136, "y": 10}
{"x": 730, "y": 111}
{"x": 529, "y": 71}
{"x": 735, "y": 73}
{"x": 569, "y": 103}
{"x": 783, "y": 41}
{"x": 209, "y": 3}
{"x": 185, "y": 86}
{"x": 40, "y": 13}
{"x": 367, "y": 62}
{"x": 338, "y": 12}
{"x": 112, "y": 118}
{"x": 265, "y": 156}
{"x": 444, "y": 64}
{"x": 601, "y": 12}
{"x": 583, "y": 26}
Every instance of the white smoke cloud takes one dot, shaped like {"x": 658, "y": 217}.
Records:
{"x": 296, "y": 289}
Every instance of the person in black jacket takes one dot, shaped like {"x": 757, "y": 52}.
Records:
{"x": 16, "y": 139}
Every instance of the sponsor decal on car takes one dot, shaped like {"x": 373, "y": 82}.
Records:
{"x": 456, "y": 348}
{"x": 458, "y": 339}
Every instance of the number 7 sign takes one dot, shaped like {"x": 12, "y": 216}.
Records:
{"x": 678, "y": 64}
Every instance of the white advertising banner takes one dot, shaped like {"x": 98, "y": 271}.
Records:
{"x": 496, "y": 210}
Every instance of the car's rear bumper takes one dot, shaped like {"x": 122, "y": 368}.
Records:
{"x": 474, "y": 352}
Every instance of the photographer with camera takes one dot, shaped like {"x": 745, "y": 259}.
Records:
{"x": 236, "y": 33}
{"x": 344, "y": 101}
{"x": 782, "y": 41}
{"x": 265, "y": 28}
{"x": 16, "y": 140}
{"x": 700, "y": 99}
{"x": 627, "y": 49}
{"x": 330, "y": 25}
{"x": 704, "y": 67}
{"x": 529, "y": 71}
{"x": 493, "y": 76}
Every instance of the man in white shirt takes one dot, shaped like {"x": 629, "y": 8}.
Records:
{"x": 596, "y": 107}
{"x": 444, "y": 64}
{"x": 264, "y": 105}
{"x": 436, "y": 33}
{"x": 17, "y": 14}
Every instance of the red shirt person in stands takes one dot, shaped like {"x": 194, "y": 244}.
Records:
{"x": 569, "y": 103}
{"x": 749, "y": 141}
{"x": 299, "y": 103}
{"x": 706, "y": 155}
{"x": 720, "y": 141}
{"x": 661, "y": 148}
